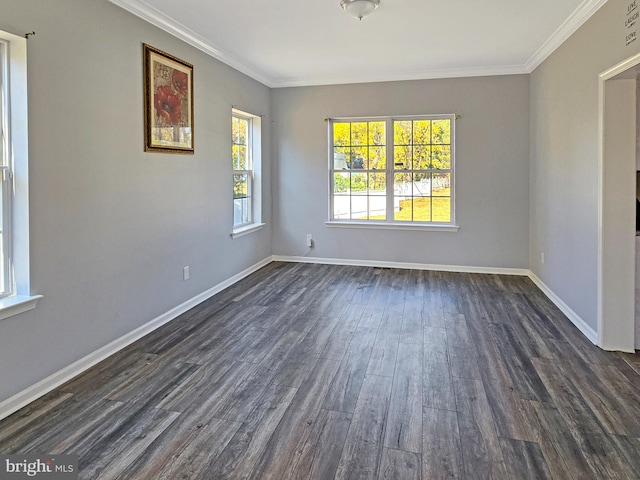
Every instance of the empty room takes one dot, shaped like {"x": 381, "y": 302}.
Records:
{"x": 320, "y": 239}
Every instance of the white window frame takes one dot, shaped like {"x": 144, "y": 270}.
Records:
{"x": 253, "y": 172}
{"x": 17, "y": 297}
{"x": 390, "y": 222}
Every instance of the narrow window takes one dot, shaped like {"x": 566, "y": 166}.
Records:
{"x": 15, "y": 291}
{"x": 246, "y": 171}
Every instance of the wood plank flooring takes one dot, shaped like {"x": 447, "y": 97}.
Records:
{"x": 320, "y": 372}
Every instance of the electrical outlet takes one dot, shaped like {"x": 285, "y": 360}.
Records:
{"x": 309, "y": 240}
{"x": 542, "y": 258}
{"x": 185, "y": 273}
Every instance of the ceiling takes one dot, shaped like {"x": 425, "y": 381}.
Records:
{"x": 314, "y": 42}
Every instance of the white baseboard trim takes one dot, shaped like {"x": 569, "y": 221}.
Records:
{"x": 580, "y": 324}
{"x": 409, "y": 266}
{"x": 25, "y": 397}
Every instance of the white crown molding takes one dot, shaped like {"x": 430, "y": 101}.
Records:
{"x": 580, "y": 15}
{"x": 152, "y": 15}
{"x": 155, "y": 17}
{"x": 421, "y": 75}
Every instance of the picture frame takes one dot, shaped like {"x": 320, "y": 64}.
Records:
{"x": 168, "y": 102}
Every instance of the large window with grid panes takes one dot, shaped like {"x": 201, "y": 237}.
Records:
{"x": 392, "y": 170}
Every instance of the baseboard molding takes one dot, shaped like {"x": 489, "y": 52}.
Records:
{"x": 25, "y": 397}
{"x": 580, "y": 324}
{"x": 404, "y": 265}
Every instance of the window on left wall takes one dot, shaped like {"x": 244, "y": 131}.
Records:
{"x": 15, "y": 292}
{"x": 246, "y": 160}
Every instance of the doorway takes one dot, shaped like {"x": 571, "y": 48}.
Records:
{"x": 616, "y": 213}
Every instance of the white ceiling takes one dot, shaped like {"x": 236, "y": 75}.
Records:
{"x": 313, "y": 42}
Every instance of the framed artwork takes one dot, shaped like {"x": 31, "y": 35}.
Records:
{"x": 168, "y": 102}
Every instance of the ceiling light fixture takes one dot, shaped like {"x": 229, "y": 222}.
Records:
{"x": 359, "y": 8}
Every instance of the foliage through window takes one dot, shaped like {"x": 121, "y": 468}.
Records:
{"x": 394, "y": 170}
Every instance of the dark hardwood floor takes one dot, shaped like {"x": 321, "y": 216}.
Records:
{"x": 316, "y": 371}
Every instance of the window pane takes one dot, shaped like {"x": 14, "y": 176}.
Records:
{"x": 402, "y": 184}
{"x": 359, "y": 133}
{"x": 421, "y": 185}
{"x": 421, "y": 157}
{"x": 341, "y": 183}
{"x": 377, "y": 184}
{"x": 377, "y": 207}
{"x": 340, "y": 156}
{"x": 402, "y": 157}
{"x": 441, "y": 157}
{"x": 441, "y": 209}
{"x": 239, "y": 157}
{"x": 377, "y": 133}
{"x": 342, "y": 133}
{"x": 358, "y": 184}
{"x": 402, "y": 132}
{"x": 241, "y": 198}
{"x": 240, "y": 185}
{"x": 359, "y": 207}
{"x": 441, "y": 131}
{"x": 441, "y": 185}
{"x": 359, "y": 158}
{"x": 342, "y": 207}
{"x": 240, "y": 130}
{"x": 403, "y": 209}
{"x": 377, "y": 158}
{"x": 422, "y": 132}
{"x": 422, "y": 209}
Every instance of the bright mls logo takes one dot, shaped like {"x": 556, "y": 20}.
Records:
{"x": 49, "y": 467}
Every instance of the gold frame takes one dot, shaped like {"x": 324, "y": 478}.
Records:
{"x": 168, "y": 92}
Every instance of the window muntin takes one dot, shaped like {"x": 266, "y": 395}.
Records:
{"x": 420, "y": 175}
{"x": 241, "y": 154}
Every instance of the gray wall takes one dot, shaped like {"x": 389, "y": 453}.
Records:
{"x": 564, "y": 157}
{"x": 111, "y": 225}
{"x": 492, "y": 199}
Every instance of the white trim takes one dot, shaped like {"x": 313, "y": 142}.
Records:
{"x": 462, "y": 72}
{"x": 239, "y": 232}
{"x": 392, "y": 226}
{"x": 44, "y": 386}
{"x": 579, "y": 323}
{"x": 143, "y": 10}
{"x": 404, "y": 265}
{"x": 579, "y": 16}
{"x": 600, "y": 295}
{"x": 16, "y": 304}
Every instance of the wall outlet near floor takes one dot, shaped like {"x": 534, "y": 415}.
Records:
{"x": 309, "y": 240}
{"x": 542, "y": 258}
{"x": 185, "y": 273}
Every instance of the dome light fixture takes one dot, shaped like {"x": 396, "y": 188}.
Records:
{"x": 359, "y": 8}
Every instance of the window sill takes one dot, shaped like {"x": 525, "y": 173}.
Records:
{"x": 16, "y": 304}
{"x": 393, "y": 226}
{"x": 254, "y": 227}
